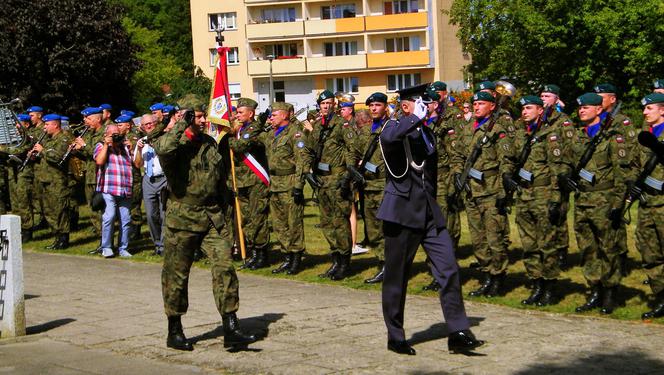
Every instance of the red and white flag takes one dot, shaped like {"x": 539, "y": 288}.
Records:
{"x": 219, "y": 110}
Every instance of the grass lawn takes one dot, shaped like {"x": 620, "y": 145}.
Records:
{"x": 634, "y": 294}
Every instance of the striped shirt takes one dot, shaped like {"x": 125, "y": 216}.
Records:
{"x": 115, "y": 176}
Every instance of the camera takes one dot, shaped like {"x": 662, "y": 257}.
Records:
{"x": 118, "y": 138}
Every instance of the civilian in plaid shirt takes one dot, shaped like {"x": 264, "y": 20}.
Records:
{"x": 114, "y": 181}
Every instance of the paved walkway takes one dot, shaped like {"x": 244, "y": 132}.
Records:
{"x": 94, "y": 316}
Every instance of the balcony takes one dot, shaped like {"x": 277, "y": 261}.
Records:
{"x": 275, "y": 30}
{"x": 336, "y": 26}
{"x": 336, "y": 63}
{"x": 396, "y": 21}
{"x": 397, "y": 59}
{"x": 279, "y": 67}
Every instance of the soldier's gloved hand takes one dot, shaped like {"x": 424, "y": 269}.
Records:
{"x": 633, "y": 191}
{"x": 509, "y": 184}
{"x": 298, "y": 196}
{"x": 458, "y": 184}
{"x": 554, "y": 213}
{"x": 313, "y": 180}
{"x": 420, "y": 109}
{"x": 502, "y": 206}
{"x": 566, "y": 184}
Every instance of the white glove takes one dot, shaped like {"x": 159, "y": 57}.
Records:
{"x": 420, "y": 109}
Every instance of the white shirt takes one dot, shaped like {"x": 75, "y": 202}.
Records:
{"x": 150, "y": 157}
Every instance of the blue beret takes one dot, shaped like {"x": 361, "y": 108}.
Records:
{"x": 157, "y": 107}
{"x": 346, "y": 104}
{"x": 376, "y": 97}
{"x": 122, "y": 118}
{"x": 23, "y": 117}
{"x": 452, "y": 99}
{"x": 531, "y": 99}
{"x": 483, "y": 96}
{"x": 167, "y": 108}
{"x": 52, "y": 117}
{"x": 127, "y": 112}
{"x": 589, "y": 98}
{"x": 91, "y": 111}
{"x": 35, "y": 108}
{"x": 106, "y": 107}
{"x": 654, "y": 98}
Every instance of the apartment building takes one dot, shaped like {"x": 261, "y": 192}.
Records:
{"x": 355, "y": 46}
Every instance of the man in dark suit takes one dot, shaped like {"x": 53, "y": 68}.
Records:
{"x": 411, "y": 217}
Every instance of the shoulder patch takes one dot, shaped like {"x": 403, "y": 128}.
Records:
{"x": 451, "y": 132}
{"x": 246, "y": 136}
{"x": 556, "y": 152}
{"x": 300, "y": 144}
{"x": 631, "y": 133}
{"x": 510, "y": 128}
{"x": 569, "y": 134}
{"x": 553, "y": 138}
{"x": 622, "y": 153}
{"x": 458, "y": 116}
{"x": 620, "y": 139}
{"x": 626, "y": 122}
{"x": 567, "y": 123}
{"x": 298, "y": 135}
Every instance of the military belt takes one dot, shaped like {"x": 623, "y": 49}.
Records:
{"x": 490, "y": 173}
{"x": 332, "y": 171}
{"x": 598, "y": 187}
{"x": 282, "y": 172}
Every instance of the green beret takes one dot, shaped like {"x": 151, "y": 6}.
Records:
{"x": 246, "y": 102}
{"x": 605, "y": 88}
{"x": 531, "y": 99}
{"x": 654, "y": 98}
{"x": 192, "y": 101}
{"x": 658, "y": 84}
{"x": 483, "y": 96}
{"x": 589, "y": 98}
{"x": 378, "y": 97}
{"x": 327, "y": 94}
{"x": 550, "y": 87}
{"x": 486, "y": 85}
{"x": 281, "y": 106}
{"x": 439, "y": 86}
{"x": 430, "y": 96}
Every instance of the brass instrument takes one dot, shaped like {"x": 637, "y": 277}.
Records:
{"x": 505, "y": 89}
{"x": 71, "y": 147}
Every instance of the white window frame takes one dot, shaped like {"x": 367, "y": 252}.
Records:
{"x": 412, "y": 41}
{"x": 232, "y": 56}
{"x": 332, "y": 84}
{"x": 396, "y": 6}
{"x": 338, "y": 8}
{"x": 401, "y": 81}
{"x": 223, "y": 20}
{"x": 348, "y": 48}
{"x": 234, "y": 91}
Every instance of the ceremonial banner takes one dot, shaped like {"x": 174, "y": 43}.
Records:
{"x": 219, "y": 110}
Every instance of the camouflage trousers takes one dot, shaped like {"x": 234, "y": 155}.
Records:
{"x": 650, "y": 242}
{"x": 56, "y": 200}
{"x": 537, "y": 237}
{"x": 254, "y": 206}
{"x": 452, "y": 218}
{"x": 287, "y": 221}
{"x": 95, "y": 217}
{"x": 373, "y": 227}
{"x": 597, "y": 242}
{"x": 136, "y": 199}
{"x": 334, "y": 222}
{"x": 487, "y": 233}
{"x": 22, "y": 194}
{"x": 561, "y": 238}
{"x": 179, "y": 248}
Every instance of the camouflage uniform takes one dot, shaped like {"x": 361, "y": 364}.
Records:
{"x": 196, "y": 215}
{"x": 91, "y": 138}
{"x": 22, "y": 183}
{"x": 566, "y": 128}
{"x": 53, "y": 181}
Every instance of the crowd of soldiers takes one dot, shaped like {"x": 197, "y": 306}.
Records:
{"x": 488, "y": 164}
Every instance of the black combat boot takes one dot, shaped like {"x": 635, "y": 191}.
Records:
{"x": 344, "y": 268}
{"x": 624, "y": 265}
{"x": 496, "y": 285}
{"x": 296, "y": 263}
{"x": 288, "y": 259}
{"x": 251, "y": 260}
{"x": 56, "y": 241}
{"x": 73, "y": 221}
{"x": 26, "y": 235}
{"x": 63, "y": 243}
{"x": 658, "y": 311}
{"x": 535, "y": 294}
{"x": 562, "y": 258}
{"x": 176, "y": 338}
{"x": 377, "y": 278}
{"x": 432, "y": 286}
{"x": 594, "y": 299}
{"x": 233, "y": 336}
{"x": 333, "y": 268}
{"x": 484, "y": 287}
{"x": 261, "y": 259}
{"x": 609, "y": 300}
{"x": 548, "y": 297}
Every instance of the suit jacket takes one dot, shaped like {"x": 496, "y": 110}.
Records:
{"x": 407, "y": 199}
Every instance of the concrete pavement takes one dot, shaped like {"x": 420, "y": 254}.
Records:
{"x": 89, "y": 315}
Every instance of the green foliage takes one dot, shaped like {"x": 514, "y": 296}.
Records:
{"x": 570, "y": 43}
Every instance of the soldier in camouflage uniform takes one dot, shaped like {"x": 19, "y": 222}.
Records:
{"x": 252, "y": 183}
{"x": 36, "y": 113}
{"x": 328, "y": 154}
{"x": 106, "y": 117}
{"x": 538, "y": 202}
{"x": 485, "y": 202}
{"x": 594, "y": 203}
{"x": 649, "y": 229}
{"x": 21, "y": 183}
{"x": 197, "y": 212}
{"x": 53, "y": 179}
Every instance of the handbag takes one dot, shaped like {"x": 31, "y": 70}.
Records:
{"x": 97, "y": 203}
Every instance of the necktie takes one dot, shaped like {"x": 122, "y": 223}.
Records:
{"x": 148, "y": 167}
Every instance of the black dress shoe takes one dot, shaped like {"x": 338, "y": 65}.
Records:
{"x": 536, "y": 293}
{"x": 484, "y": 287}
{"x": 657, "y": 312}
{"x": 333, "y": 268}
{"x": 608, "y": 302}
{"x": 233, "y": 336}
{"x": 433, "y": 286}
{"x": 176, "y": 338}
{"x": 463, "y": 342}
{"x": 400, "y": 347}
{"x": 594, "y": 299}
{"x": 377, "y": 278}
{"x": 285, "y": 265}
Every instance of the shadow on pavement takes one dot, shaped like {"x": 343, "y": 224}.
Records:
{"x": 33, "y": 330}
{"x": 626, "y": 362}
{"x": 438, "y": 331}
{"x": 258, "y": 325}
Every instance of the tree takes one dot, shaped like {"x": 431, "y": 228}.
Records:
{"x": 573, "y": 44}
{"x": 65, "y": 54}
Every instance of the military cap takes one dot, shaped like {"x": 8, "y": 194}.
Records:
{"x": 327, "y": 94}
{"x": 430, "y": 96}
{"x": 247, "y": 102}
{"x": 191, "y": 101}
{"x": 167, "y": 108}
{"x": 52, "y": 117}
{"x": 485, "y": 85}
{"x": 91, "y": 111}
{"x": 105, "y": 107}
{"x": 531, "y": 99}
{"x": 35, "y": 108}
{"x": 378, "y": 97}
{"x": 127, "y": 112}
{"x": 64, "y": 118}
{"x": 23, "y": 117}
{"x": 344, "y": 104}
{"x": 550, "y": 87}
{"x": 439, "y": 86}
{"x": 658, "y": 84}
{"x": 605, "y": 88}
{"x": 654, "y": 98}
{"x": 280, "y": 106}
{"x": 589, "y": 98}
{"x": 122, "y": 119}
{"x": 483, "y": 96}
{"x": 156, "y": 107}
{"x": 413, "y": 93}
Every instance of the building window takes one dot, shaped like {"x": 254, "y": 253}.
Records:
{"x": 232, "y": 56}
{"x": 278, "y": 15}
{"x": 341, "y": 49}
{"x": 347, "y": 84}
{"x": 279, "y": 91}
{"x": 402, "y": 44}
{"x": 226, "y": 20}
{"x": 401, "y": 81}
{"x": 400, "y": 6}
{"x": 234, "y": 91}
{"x": 277, "y": 50}
{"x": 338, "y": 11}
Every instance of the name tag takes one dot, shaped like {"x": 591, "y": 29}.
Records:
{"x": 588, "y": 176}
{"x": 525, "y": 175}
{"x": 654, "y": 183}
{"x": 371, "y": 167}
{"x": 323, "y": 167}
{"x": 475, "y": 174}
